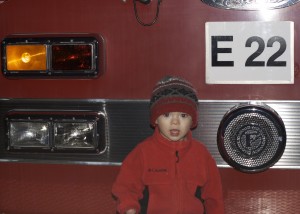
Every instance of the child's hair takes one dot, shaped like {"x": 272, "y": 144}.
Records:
{"x": 173, "y": 94}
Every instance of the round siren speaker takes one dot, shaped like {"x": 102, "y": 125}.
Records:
{"x": 251, "y": 138}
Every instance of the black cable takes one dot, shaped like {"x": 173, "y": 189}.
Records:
{"x": 138, "y": 18}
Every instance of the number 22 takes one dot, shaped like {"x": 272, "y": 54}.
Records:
{"x": 261, "y": 46}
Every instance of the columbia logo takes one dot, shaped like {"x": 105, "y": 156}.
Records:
{"x": 157, "y": 170}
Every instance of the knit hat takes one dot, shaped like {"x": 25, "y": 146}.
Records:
{"x": 173, "y": 94}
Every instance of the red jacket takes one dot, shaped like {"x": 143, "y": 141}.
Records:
{"x": 181, "y": 178}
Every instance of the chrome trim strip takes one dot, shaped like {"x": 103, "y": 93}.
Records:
{"x": 250, "y": 5}
{"x": 127, "y": 124}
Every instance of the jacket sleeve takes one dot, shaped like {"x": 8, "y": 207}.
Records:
{"x": 212, "y": 191}
{"x": 128, "y": 187}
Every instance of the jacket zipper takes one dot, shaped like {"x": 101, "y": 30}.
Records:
{"x": 177, "y": 156}
{"x": 177, "y": 183}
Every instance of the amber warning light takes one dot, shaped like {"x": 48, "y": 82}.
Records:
{"x": 26, "y": 57}
{"x": 55, "y": 56}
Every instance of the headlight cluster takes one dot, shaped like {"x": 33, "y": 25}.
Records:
{"x": 55, "y": 132}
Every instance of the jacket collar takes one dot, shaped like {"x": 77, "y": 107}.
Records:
{"x": 172, "y": 146}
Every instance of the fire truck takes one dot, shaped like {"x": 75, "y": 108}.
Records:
{"x": 76, "y": 78}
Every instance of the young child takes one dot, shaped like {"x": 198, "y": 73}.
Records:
{"x": 170, "y": 172}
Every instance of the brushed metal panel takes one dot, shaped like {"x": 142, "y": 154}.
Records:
{"x": 128, "y": 124}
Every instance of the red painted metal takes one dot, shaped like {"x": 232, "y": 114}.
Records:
{"x": 136, "y": 57}
{"x": 65, "y": 189}
{"x": 34, "y": 188}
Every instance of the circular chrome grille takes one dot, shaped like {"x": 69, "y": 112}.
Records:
{"x": 251, "y": 138}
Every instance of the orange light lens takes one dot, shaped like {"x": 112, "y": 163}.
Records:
{"x": 26, "y": 57}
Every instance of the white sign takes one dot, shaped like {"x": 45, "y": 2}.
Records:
{"x": 250, "y": 52}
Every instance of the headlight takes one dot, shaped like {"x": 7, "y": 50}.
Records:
{"x": 69, "y": 135}
{"x": 28, "y": 134}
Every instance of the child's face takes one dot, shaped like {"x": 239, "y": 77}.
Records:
{"x": 174, "y": 125}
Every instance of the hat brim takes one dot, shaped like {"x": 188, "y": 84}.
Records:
{"x": 164, "y": 106}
